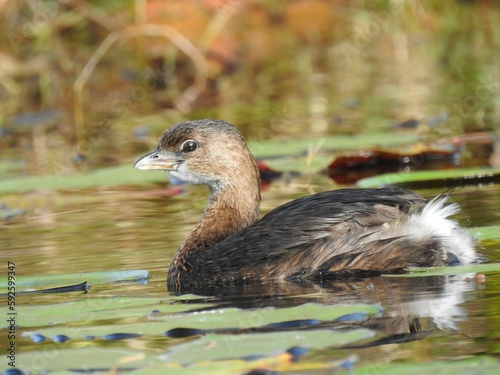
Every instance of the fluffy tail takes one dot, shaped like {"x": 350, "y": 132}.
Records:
{"x": 434, "y": 220}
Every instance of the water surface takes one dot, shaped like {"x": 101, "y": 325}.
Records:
{"x": 421, "y": 319}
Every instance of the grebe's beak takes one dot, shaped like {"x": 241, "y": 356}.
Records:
{"x": 159, "y": 159}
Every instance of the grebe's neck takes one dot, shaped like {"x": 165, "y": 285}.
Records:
{"x": 233, "y": 205}
{"x": 229, "y": 209}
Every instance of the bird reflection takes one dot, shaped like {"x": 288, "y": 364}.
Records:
{"x": 411, "y": 307}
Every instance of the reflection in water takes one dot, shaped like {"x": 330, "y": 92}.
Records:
{"x": 411, "y": 307}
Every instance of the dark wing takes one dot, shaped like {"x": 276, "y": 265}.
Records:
{"x": 328, "y": 232}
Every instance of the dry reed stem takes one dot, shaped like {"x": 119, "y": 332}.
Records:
{"x": 182, "y": 104}
{"x": 216, "y": 25}
{"x": 95, "y": 14}
{"x": 193, "y": 52}
{"x": 140, "y": 12}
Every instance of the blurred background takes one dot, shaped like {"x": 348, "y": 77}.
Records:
{"x": 86, "y": 84}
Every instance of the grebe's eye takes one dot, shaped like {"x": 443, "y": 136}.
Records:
{"x": 189, "y": 146}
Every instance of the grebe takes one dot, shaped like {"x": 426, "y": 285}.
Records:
{"x": 329, "y": 234}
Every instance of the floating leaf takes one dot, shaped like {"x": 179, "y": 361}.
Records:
{"x": 427, "y": 179}
{"x": 199, "y": 352}
{"x": 241, "y": 319}
{"x": 167, "y": 319}
{"x": 57, "y": 359}
{"x": 273, "y": 148}
{"x": 97, "y": 309}
{"x": 223, "y": 347}
{"x": 108, "y": 360}
{"x": 26, "y": 283}
{"x": 486, "y": 233}
{"x": 122, "y": 175}
{"x": 453, "y": 270}
{"x": 470, "y": 366}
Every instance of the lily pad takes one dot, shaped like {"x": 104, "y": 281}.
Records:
{"x": 273, "y": 148}
{"x": 427, "y": 179}
{"x": 453, "y": 270}
{"x": 219, "y": 347}
{"x": 28, "y": 283}
{"x": 167, "y": 317}
{"x": 470, "y": 366}
{"x": 101, "y": 309}
{"x": 122, "y": 175}
{"x": 58, "y": 360}
{"x": 279, "y": 362}
{"x": 211, "y": 351}
{"x": 486, "y": 233}
{"x": 67, "y": 361}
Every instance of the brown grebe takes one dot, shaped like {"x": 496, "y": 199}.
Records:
{"x": 340, "y": 232}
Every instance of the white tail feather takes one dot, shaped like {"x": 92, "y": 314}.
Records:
{"x": 434, "y": 219}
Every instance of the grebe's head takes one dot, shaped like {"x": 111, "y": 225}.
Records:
{"x": 210, "y": 152}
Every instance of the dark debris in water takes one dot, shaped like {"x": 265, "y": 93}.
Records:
{"x": 35, "y": 118}
{"x": 37, "y": 338}
{"x": 355, "y": 317}
{"x": 182, "y": 332}
{"x": 292, "y": 354}
{"x": 13, "y": 371}
{"x": 296, "y": 352}
{"x": 452, "y": 182}
{"x": 267, "y": 173}
{"x": 82, "y": 287}
{"x": 121, "y": 336}
{"x": 398, "y": 338}
{"x": 140, "y": 133}
{"x": 407, "y": 124}
{"x": 102, "y": 370}
{"x": 7, "y": 213}
{"x": 353, "y": 166}
{"x": 292, "y": 324}
{"x": 60, "y": 338}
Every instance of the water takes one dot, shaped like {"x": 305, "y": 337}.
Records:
{"x": 424, "y": 319}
